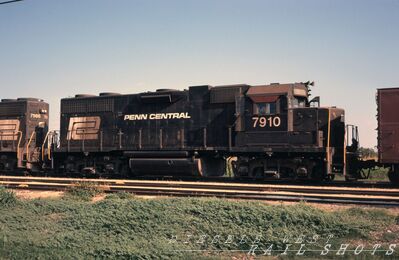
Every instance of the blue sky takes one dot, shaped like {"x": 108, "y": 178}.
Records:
{"x": 57, "y": 48}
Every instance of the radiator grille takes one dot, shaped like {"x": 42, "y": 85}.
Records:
{"x": 12, "y": 109}
{"x": 87, "y": 105}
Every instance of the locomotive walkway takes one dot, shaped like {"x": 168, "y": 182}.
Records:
{"x": 267, "y": 192}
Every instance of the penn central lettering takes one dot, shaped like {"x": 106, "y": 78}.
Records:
{"x": 160, "y": 116}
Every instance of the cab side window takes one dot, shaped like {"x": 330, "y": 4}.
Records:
{"x": 265, "y": 108}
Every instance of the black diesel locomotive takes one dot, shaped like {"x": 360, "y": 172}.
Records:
{"x": 262, "y": 131}
{"x": 258, "y": 132}
{"x": 23, "y": 133}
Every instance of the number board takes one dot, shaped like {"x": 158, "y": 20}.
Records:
{"x": 267, "y": 123}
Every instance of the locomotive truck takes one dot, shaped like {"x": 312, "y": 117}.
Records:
{"x": 262, "y": 131}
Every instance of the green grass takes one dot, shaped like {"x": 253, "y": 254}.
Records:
{"x": 376, "y": 174}
{"x": 379, "y": 174}
{"x": 127, "y": 227}
{"x": 83, "y": 191}
{"x": 7, "y": 198}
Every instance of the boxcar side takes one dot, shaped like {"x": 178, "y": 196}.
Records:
{"x": 388, "y": 130}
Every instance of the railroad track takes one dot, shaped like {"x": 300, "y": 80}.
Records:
{"x": 275, "y": 192}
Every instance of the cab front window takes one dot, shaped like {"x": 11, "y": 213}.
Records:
{"x": 299, "y": 102}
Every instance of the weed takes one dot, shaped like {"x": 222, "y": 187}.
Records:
{"x": 7, "y": 198}
{"x": 120, "y": 195}
{"x": 379, "y": 174}
{"x": 83, "y": 191}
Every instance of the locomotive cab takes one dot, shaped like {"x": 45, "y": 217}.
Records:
{"x": 296, "y": 140}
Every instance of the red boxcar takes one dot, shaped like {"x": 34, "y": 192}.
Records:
{"x": 388, "y": 130}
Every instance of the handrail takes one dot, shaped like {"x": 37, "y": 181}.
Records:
{"x": 27, "y": 146}
{"x": 18, "y": 146}
{"x": 328, "y": 140}
{"x": 44, "y": 142}
{"x": 344, "y": 162}
{"x": 53, "y": 133}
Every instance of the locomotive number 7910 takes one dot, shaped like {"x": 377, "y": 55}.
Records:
{"x": 263, "y": 121}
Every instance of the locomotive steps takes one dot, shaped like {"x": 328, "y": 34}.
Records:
{"x": 271, "y": 192}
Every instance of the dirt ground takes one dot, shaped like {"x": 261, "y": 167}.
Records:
{"x": 30, "y": 194}
{"x": 34, "y": 194}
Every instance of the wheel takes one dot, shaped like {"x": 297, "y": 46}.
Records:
{"x": 124, "y": 170}
{"x": 257, "y": 173}
{"x": 330, "y": 177}
{"x": 318, "y": 172}
{"x": 393, "y": 176}
{"x": 349, "y": 178}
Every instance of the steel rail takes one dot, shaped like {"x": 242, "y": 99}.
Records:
{"x": 219, "y": 186}
{"x": 230, "y": 180}
{"x": 233, "y": 191}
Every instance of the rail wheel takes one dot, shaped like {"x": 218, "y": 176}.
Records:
{"x": 257, "y": 173}
{"x": 393, "y": 175}
{"x": 330, "y": 177}
{"x": 318, "y": 172}
{"x": 124, "y": 170}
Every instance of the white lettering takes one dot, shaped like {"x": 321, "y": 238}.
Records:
{"x": 391, "y": 249}
{"x": 342, "y": 249}
{"x": 269, "y": 250}
{"x": 300, "y": 239}
{"x": 375, "y": 247}
{"x": 286, "y": 249}
{"x": 326, "y": 249}
{"x": 215, "y": 239}
{"x": 301, "y": 251}
{"x": 189, "y": 237}
{"x": 173, "y": 239}
{"x": 257, "y": 239}
{"x": 159, "y": 116}
{"x": 35, "y": 116}
{"x": 314, "y": 239}
{"x": 329, "y": 237}
{"x": 202, "y": 239}
{"x": 252, "y": 250}
{"x": 230, "y": 239}
{"x": 359, "y": 249}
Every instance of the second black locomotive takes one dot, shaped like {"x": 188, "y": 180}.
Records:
{"x": 263, "y": 131}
